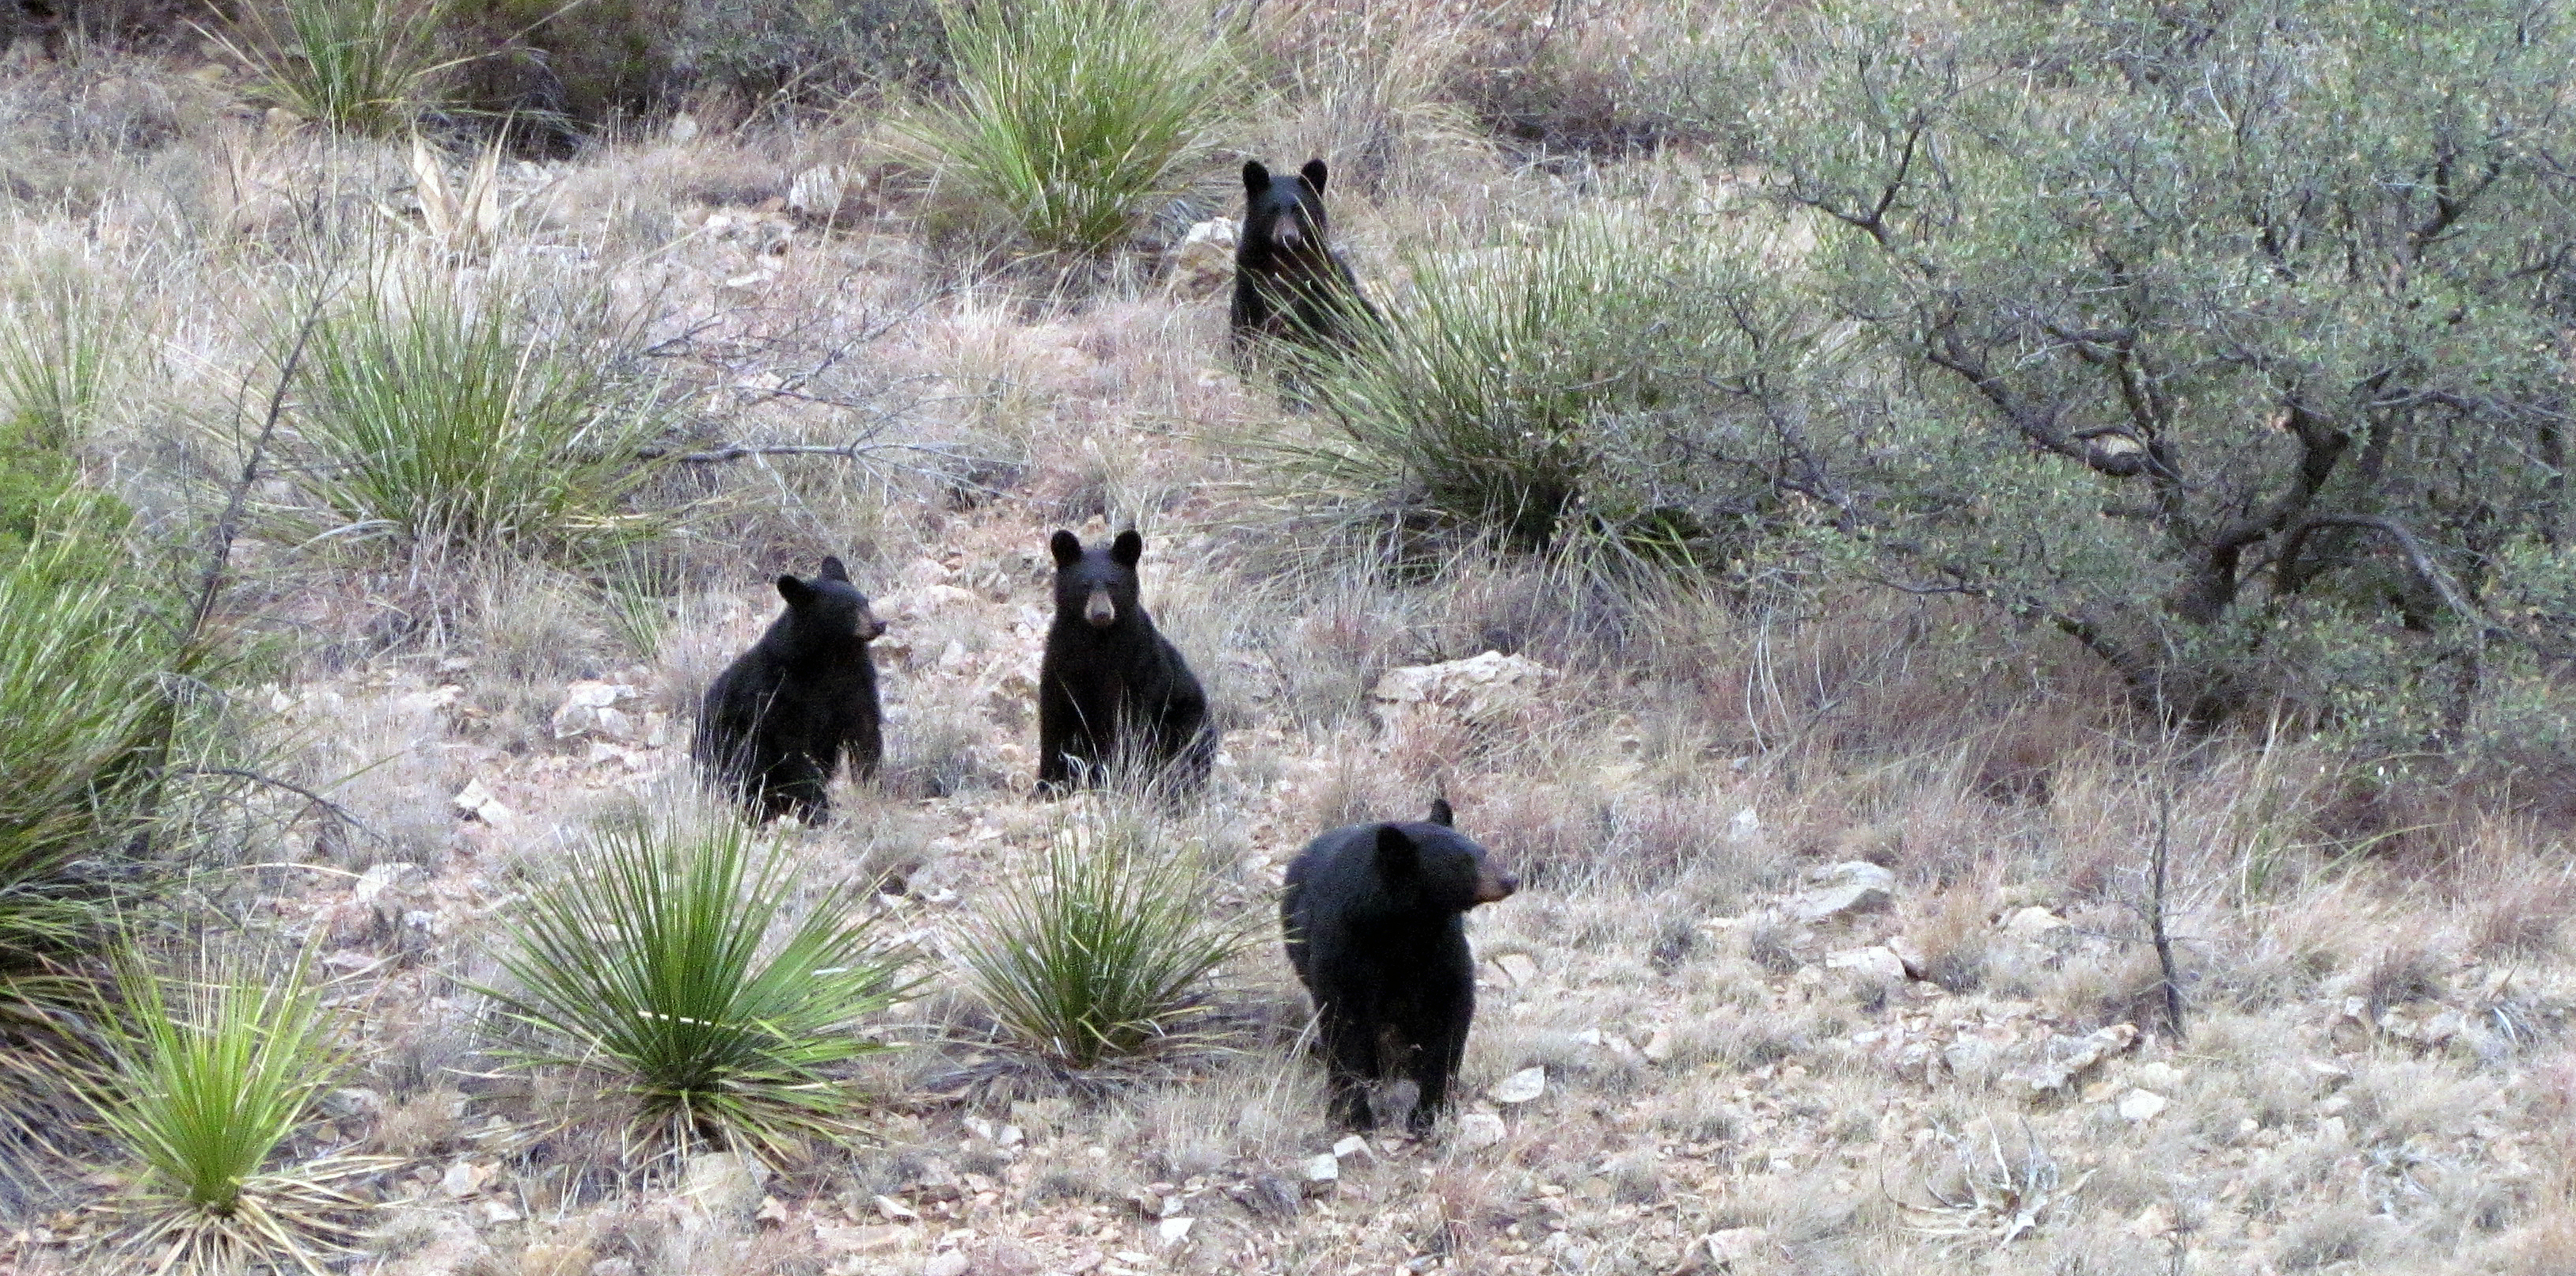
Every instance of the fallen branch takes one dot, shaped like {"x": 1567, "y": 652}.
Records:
{"x": 311, "y": 798}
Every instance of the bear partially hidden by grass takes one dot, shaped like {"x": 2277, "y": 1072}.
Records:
{"x": 1289, "y": 284}
{"x": 780, "y": 718}
{"x": 1375, "y": 916}
{"x": 1112, "y": 689}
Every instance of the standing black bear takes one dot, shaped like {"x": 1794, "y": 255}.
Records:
{"x": 779, "y": 719}
{"x": 1288, "y": 281}
{"x": 1375, "y": 916}
{"x": 1112, "y": 688}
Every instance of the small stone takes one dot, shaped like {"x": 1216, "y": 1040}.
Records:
{"x": 895, "y": 1211}
{"x": 947, "y": 1262}
{"x": 724, "y": 1184}
{"x": 2157, "y": 1075}
{"x": 1847, "y": 890}
{"x": 2141, "y": 1105}
{"x": 1518, "y": 968}
{"x": 1481, "y": 1130}
{"x": 1658, "y": 1048}
{"x": 1350, "y": 1145}
{"x": 1520, "y": 1087}
{"x": 1172, "y": 1231}
{"x": 1323, "y": 1167}
{"x": 1911, "y": 954}
{"x": 2033, "y": 922}
{"x": 1735, "y": 1244}
{"x": 1875, "y": 962}
{"x": 464, "y": 1178}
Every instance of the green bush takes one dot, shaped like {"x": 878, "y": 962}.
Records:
{"x": 2212, "y": 338}
{"x": 1073, "y": 121}
{"x": 1597, "y": 391}
{"x": 208, "y": 1078}
{"x": 1101, "y": 954}
{"x": 89, "y": 648}
{"x": 435, "y": 417}
{"x": 651, "y": 960}
{"x": 369, "y": 66}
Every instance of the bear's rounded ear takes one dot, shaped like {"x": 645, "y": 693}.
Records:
{"x": 796, "y": 592}
{"x": 1314, "y": 174}
{"x": 1128, "y": 549}
{"x": 832, "y": 570}
{"x": 1067, "y": 548}
{"x": 1396, "y": 854}
{"x": 1256, "y": 179}
{"x": 1442, "y": 815}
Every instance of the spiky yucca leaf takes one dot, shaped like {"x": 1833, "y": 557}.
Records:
{"x": 652, "y": 959}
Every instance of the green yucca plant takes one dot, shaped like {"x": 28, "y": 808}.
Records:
{"x": 1102, "y": 954}
{"x": 60, "y": 335}
{"x": 208, "y": 1076}
{"x": 439, "y": 417}
{"x": 1569, "y": 394}
{"x": 86, "y": 653}
{"x": 1072, "y": 118}
{"x": 363, "y": 65}
{"x": 666, "y": 957}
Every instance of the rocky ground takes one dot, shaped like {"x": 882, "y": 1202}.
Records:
{"x": 1833, "y": 955}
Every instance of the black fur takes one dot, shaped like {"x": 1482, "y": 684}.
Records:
{"x": 780, "y": 718}
{"x": 1289, "y": 284}
{"x": 1111, "y": 686}
{"x": 1375, "y": 916}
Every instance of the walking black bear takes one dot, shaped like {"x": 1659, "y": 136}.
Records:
{"x": 779, "y": 719}
{"x": 1375, "y": 916}
{"x": 1112, "y": 688}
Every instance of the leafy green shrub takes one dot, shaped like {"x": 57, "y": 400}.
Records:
{"x": 1073, "y": 120}
{"x": 1101, "y": 954}
{"x": 435, "y": 417}
{"x": 208, "y": 1078}
{"x": 369, "y": 66}
{"x": 1594, "y": 391}
{"x": 2212, "y": 339}
{"x": 651, "y": 959}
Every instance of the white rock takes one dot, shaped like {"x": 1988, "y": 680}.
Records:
{"x": 1745, "y": 827}
{"x": 1520, "y": 1087}
{"x": 817, "y": 191}
{"x": 464, "y": 1178}
{"x": 1481, "y": 1130}
{"x": 1479, "y": 689}
{"x": 1174, "y": 1230}
{"x": 2141, "y": 1105}
{"x": 726, "y": 1185}
{"x": 1735, "y": 1244}
{"x": 2030, "y": 923}
{"x": 1875, "y": 962}
{"x": 1323, "y": 1167}
{"x": 1845, "y": 890}
{"x": 1205, "y": 255}
{"x": 372, "y": 884}
{"x": 947, "y": 1262}
{"x": 1350, "y": 1145}
{"x": 2065, "y": 1060}
{"x": 2158, "y": 1075}
{"x": 477, "y": 801}
{"x": 1518, "y": 968}
{"x": 1658, "y": 1047}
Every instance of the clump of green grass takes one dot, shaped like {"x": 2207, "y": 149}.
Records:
{"x": 1596, "y": 389}
{"x": 651, "y": 960}
{"x": 59, "y": 343}
{"x": 1101, "y": 955}
{"x": 1073, "y": 120}
{"x": 364, "y": 65}
{"x": 85, "y": 717}
{"x": 436, "y": 417}
{"x": 207, "y": 1078}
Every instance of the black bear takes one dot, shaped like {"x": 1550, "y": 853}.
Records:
{"x": 780, "y": 718}
{"x": 1288, "y": 281}
{"x": 1112, "y": 688}
{"x": 1375, "y": 916}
